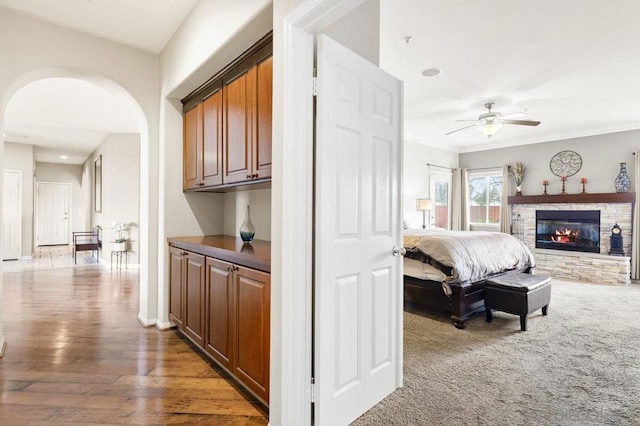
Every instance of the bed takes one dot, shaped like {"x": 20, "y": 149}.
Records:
{"x": 447, "y": 270}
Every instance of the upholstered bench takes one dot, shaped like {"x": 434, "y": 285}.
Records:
{"x": 517, "y": 293}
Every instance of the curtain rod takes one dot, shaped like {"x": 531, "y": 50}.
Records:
{"x": 487, "y": 168}
{"x": 442, "y": 167}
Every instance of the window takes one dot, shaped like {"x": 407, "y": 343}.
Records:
{"x": 441, "y": 190}
{"x": 485, "y": 189}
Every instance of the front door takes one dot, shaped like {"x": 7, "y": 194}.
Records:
{"x": 358, "y": 270}
{"x": 52, "y": 214}
{"x": 12, "y": 214}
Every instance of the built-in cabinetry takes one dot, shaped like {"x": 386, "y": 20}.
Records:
{"x": 220, "y": 298}
{"x": 227, "y": 125}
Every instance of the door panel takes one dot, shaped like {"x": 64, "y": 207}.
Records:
{"x": 192, "y": 147}
{"x": 220, "y": 311}
{"x": 262, "y": 134}
{"x": 252, "y": 303}
{"x": 52, "y": 220}
{"x": 12, "y": 214}
{"x": 176, "y": 277}
{"x": 212, "y": 140}
{"x": 358, "y": 282}
{"x": 237, "y": 132}
{"x": 194, "y": 297}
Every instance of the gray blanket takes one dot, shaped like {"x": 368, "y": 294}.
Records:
{"x": 473, "y": 255}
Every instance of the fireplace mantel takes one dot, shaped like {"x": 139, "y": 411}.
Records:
{"x": 605, "y": 197}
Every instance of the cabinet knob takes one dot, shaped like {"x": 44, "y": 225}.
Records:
{"x": 249, "y": 176}
{"x": 255, "y": 176}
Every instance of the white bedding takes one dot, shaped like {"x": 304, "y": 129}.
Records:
{"x": 473, "y": 255}
{"x": 422, "y": 271}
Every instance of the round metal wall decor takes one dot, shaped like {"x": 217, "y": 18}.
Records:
{"x": 565, "y": 163}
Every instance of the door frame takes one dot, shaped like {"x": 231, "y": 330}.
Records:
{"x": 20, "y": 198}
{"x": 292, "y": 307}
{"x": 35, "y": 211}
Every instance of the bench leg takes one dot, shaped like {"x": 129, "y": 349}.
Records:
{"x": 489, "y": 314}
{"x": 523, "y": 323}
{"x": 544, "y": 310}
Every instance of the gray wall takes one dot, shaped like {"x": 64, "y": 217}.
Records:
{"x": 366, "y": 40}
{"x": 120, "y": 190}
{"x": 601, "y": 158}
{"x": 67, "y": 173}
{"x": 20, "y": 157}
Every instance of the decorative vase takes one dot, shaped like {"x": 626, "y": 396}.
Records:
{"x": 622, "y": 180}
{"x": 247, "y": 230}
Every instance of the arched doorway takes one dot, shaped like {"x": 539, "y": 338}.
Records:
{"x": 148, "y": 294}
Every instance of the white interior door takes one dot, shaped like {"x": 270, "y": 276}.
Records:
{"x": 52, "y": 213}
{"x": 358, "y": 279}
{"x": 12, "y": 214}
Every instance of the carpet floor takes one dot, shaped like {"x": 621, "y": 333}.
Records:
{"x": 580, "y": 365}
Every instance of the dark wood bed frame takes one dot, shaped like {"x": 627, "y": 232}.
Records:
{"x": 466, "y": 299}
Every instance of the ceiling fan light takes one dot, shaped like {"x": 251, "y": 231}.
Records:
{"x": 490, "y": 128}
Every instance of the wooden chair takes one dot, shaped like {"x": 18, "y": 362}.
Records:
{"x": 87, "y": 240}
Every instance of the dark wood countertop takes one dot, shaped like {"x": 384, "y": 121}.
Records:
{"x": 256, "y": 255}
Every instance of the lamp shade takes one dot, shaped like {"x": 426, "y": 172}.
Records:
{"x": 490, "y": 128}
{"x": 423, "y": 204}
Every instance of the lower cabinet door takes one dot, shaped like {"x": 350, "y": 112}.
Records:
{"x": 252, "y": 318}
{"x": 176, "y": 277}
{"x": 194, "y": 298}
{"x": 219, "y": 292}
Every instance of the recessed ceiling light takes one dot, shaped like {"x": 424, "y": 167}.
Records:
{"x": 63, "y": 157}
{"x": 431, "y": 72}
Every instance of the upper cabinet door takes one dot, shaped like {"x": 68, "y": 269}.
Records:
{"x": 212, "y": 139}
{"x": 192, "y": 148}
{"x": 262, "y": 121}
{"x": 237, "y": 101}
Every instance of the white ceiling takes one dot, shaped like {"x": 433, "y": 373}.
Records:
{"x": 572, "y": 64}
{"x": 145, "y": 24}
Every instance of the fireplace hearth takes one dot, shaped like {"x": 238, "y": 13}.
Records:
{"x": 569, "y": 230}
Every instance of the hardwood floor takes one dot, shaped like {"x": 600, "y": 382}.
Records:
{"x": 77, "y": 355}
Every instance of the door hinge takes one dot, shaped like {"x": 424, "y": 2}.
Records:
{"x": 312, "y": 392}
{"x": 315, "y": 86}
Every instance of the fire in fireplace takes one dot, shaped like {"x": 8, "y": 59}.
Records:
{"x": 573, "y": 230}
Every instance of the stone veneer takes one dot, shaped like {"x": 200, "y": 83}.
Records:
{"x": 579, "y": 266}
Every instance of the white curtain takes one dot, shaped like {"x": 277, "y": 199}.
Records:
{"x": 635, "y": 235}
{"x": 505, "y": 211}
{"x": 456, "y": 200}
{"x": 464, "y": 200}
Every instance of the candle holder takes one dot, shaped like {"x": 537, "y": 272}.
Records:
{"x": 545, "y": 183}
{"x": 583, "y": 181}
{"x": 564, "y": 181}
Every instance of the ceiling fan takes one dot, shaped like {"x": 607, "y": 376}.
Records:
{"x": 490, "y": 122}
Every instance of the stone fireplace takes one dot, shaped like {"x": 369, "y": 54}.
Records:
{"x": 594, "y": 265}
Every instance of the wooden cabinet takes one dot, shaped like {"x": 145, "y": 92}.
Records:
{"x": 202, "y": 148}
{"x": 247, "y": 94}
{"x": 193, "y": 296}
{"x": 176, "y": 286}
{"x": 252, "y": 304}
{"x": 219, "y": 342}
{"x": 224, "y": 308}
{"x": 227, "y": 124}
{"x": 186, "y": 293}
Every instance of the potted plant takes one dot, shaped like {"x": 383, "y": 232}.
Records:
{"x": 120, "y": 242}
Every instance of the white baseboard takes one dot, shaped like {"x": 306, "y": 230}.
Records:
{"x": 164, "y": 325}
{"x": 145, "y": 322}
{"x": 3, "y": 346}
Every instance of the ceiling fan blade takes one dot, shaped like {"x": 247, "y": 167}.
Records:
{"x": 522, "y": 122}
{"x": 462, "y": 128}
{"x": 475, "y": 119}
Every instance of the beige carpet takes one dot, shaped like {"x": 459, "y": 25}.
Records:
{"x": 580, "y": 365}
